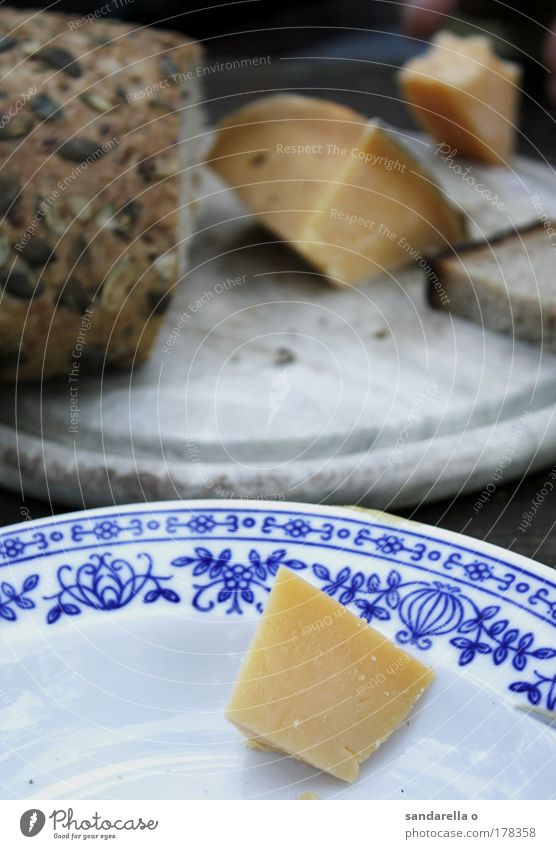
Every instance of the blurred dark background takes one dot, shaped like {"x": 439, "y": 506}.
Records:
{"x": 350, "y": 50}
{"x": 367, "y": 38}
{"x": 230, "y": 21}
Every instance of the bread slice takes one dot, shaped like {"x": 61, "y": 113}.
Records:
{"x": 507, "y": 284}
{"x": 94, "y": 182}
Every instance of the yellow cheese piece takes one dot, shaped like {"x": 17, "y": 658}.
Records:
{"x": 465, "y": 97}
{"x": 321, "y": 685}
{"x": 343, "y": 191}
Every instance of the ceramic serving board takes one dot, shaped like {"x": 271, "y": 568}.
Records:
{"x": 268, "y": 382}
{"x": 122, "y": 632}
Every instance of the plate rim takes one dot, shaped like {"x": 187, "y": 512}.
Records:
{"x": 353, "y": 512}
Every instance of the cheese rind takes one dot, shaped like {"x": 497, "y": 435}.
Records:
{"x": 341, "y": 190}
{"x": 465, "y": 96}
{"x": 319, "y": 684}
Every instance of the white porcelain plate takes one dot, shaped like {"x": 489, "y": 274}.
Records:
{"x": 122, "y": 630}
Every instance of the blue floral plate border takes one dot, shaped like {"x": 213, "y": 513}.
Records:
{"x": 431, "y": 590}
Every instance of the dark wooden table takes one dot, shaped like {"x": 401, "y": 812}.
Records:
{"x": 360, "y": 70}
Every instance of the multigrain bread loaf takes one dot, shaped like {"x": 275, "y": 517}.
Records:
{"x": 93, "y": 185}
{"x": 506, "y": 284}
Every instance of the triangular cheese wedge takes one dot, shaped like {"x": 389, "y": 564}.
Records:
{"x": 321, "y": 685}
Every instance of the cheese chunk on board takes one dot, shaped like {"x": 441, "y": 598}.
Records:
{"x": 465, "y": 96}
{"x": 319, "y": 684}
{"x": 343, "y": 191}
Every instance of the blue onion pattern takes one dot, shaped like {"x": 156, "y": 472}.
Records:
{"x": 11, "y": 600}
{"x": 233, "y": 584}
{"x": 106, "y": 583}
{"x": 534, "y": 690}
{"x": 429, "y": 611}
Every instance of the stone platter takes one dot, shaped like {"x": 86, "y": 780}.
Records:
{"x": 268, "y": 383}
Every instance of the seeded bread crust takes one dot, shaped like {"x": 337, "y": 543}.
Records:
{"x": 92, "y": 188}
{"x": 505, "y": 284}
